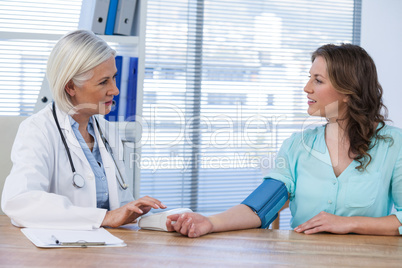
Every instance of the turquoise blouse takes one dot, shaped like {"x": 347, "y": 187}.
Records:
{"x": 304, "y": 165}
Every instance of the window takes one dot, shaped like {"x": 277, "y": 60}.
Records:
{"x": 224, "y": 88}
{"x": 28, "y": 32}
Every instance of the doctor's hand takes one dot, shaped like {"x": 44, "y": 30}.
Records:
{"x": 325, "y": 222}
{"x": 131, "y": 211}
{"x": 189, "y": 224}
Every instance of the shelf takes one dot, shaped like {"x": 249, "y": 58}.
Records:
{"x": 128, "y": 40}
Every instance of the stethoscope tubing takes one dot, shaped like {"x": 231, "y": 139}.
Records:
{"x": 120, "y": 180}
{"x": 81, "y": 181}
{"x": 63, "y": 139}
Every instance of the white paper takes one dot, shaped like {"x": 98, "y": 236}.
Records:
{"x": 46, "y": 238}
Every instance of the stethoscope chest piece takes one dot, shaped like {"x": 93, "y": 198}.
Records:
{"x": 78, "y": 180}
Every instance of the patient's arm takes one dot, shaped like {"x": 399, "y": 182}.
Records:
{"x": 195, "y": 225}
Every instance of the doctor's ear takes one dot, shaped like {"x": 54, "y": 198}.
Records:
{"x": 70, "y": 88}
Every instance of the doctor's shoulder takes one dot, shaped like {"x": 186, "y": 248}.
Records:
{"x": 38, "y": 124}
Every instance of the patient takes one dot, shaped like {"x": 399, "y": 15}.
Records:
{"x": 343, "y": 177}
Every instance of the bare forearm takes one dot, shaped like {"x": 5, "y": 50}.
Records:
{"x": 236, "y": 218}
{"x": 375, "y": 226}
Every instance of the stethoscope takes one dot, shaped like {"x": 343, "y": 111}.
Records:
{"x": 78, "y": 179}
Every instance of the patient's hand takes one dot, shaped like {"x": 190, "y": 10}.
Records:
{"x": 189, "y": 224}
{"x": 325, "y": 222}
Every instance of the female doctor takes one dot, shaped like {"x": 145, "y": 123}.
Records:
{"x": 63, "y": 173}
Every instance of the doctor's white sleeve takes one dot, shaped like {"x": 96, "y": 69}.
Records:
{"x": 27, "y": 198}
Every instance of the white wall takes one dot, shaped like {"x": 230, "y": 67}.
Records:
{"x": 381, "y": 36}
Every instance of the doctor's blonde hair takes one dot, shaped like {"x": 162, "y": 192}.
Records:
{"x": 72, "y": 59}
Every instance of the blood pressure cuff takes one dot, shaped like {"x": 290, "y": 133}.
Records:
{"x": 267, "y": 200}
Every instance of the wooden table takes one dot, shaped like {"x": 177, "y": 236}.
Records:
{"x": 247, "y": 248}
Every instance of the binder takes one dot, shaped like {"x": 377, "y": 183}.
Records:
{"x": 111, "y": 17}
{"x": 114, "y": 113}
{"x": 93, "y": 15}
{"x": 45, "y": 96}
{"x": 125, "y": 17}
{"x": 131, "y": 103}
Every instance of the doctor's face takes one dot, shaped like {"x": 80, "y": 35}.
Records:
{"x": 95, "y": 96}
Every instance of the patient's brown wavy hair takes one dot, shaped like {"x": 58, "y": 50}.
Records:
{"x": 352, "y": 72}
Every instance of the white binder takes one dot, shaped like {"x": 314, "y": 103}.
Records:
{"x": 93, "y": 15}
{"x": 125, "y": 17}
{"x": 45, "y": 96}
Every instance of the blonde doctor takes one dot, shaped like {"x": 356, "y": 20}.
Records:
{"x": 67, "y": 169}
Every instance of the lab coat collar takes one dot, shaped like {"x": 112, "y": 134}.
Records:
{"x": 63, "y": 118}
{"x": 71, "y": 139}
{"x": 76, "y": 149}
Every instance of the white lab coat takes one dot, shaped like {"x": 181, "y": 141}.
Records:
{"x": 39, "y": 191}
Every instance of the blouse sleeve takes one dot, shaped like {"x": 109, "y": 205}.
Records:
{"x": 285, "y": 166}
{"x": 396, "y": 187}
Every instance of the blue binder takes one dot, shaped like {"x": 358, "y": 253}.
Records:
{"x": 111, "y": 17}
{"x": 114, "y": 113}
{"x": 132, "y": 90}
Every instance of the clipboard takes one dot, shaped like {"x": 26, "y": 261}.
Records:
{"x": 56, "y": 238}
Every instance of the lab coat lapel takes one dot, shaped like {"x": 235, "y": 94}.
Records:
{"x": 71, "y": 140}
{"x": 109, "y": 166}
